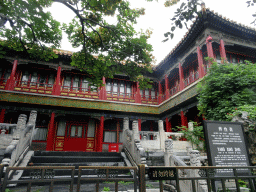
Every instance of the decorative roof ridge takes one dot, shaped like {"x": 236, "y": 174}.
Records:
{"x": 203, "y": 11}
{"x": 63, "y": 52}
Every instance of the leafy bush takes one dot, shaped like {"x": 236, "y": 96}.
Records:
{"x": 226, "y": 87}
{"x": 195, "y": 136}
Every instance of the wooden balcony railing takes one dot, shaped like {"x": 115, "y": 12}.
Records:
{"x": 149, "y": 100}
{"x": 79, "y": 92}
{"x": 33, "y": 87}
{"x": 122, "y": 97}
{"x": 190, "y": 79}
{"x": 174, "y": 90}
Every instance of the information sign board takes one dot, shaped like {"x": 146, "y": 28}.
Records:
{"x": 162, "y": 173}
{"x": 226, "y": 146}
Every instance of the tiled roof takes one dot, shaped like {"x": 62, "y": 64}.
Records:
{"x": 207, "y": 14}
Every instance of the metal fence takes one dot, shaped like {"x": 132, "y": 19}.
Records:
{"x": 39, "y": 174}
{"x": 191, "y": 179}
{"x": 221, "y": 179}
{"x": 105, "y": 173}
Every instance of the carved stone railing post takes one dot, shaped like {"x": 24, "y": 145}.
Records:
{"x": 20, "y": 126}
{"x": 168, "y": 151}
{"x": 135, "y": 130}
{"x": 125, "y": 130}
{"x": 32, "y": 122}
{"x": 194, "y": 161}
{"x": 3, "y": 131}
{"x": 161, "y": 134}
{"x": 19, "y": 135}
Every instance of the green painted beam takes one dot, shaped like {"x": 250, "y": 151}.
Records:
{"x": 19, "y": 97}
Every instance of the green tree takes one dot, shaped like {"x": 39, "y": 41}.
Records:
{"x": 106, "y": 49}
{"x": 225, "y": 88}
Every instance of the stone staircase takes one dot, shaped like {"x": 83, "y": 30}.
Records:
{"x": 56, "y": 158}
{"x": 59, "y": 158}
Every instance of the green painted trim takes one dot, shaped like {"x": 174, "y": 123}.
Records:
{"x": 18, "y": 97}
{"x": 179, "y": 98}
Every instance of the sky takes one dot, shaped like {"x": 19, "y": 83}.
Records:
{"x": 157, "y": 18}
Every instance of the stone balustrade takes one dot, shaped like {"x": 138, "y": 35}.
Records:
{"x": 173, "y": 135}
{"x": 17, "y": 144}
{"x": 132, "y": 142}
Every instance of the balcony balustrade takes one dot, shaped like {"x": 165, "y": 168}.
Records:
{"x": 191, "y": 78}
{"x": 174, "y": 90}
{"x": 79, "y": 92}
{"x": 120, "y": 96}
{"x": 115, "y": 90}
{"x": 33, "y": 87}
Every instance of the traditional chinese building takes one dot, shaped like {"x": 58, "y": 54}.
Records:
{"x": 74, "y": 117}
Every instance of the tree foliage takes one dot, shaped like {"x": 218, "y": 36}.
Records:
{"x": 106, "y": 49}
{"x": 225, "y": 88}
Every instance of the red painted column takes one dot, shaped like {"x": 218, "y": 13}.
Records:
{"x": 11, "y": 81}
{"x": 103, "y": 92}
{"x": 181, "y": 76}
{"x": 222, "y": 51}
{"x": 139, "y": 124}
{"x": 100, "y": 134}
{"x": 51, "y": 134}
{"x": 184, "y": 121}
{"x": 160, "y": 94}
{"x": 167, "y": 91}
{"x": 200, "y": 62}
{"x": 137, "y": 94}
{"x": 209, "y": 47}
{"x": 2, "y": 114}
{"x": 57, "y": 85}
{"x": 168, "y": 125}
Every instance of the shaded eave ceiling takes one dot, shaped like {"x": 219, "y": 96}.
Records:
{"x": 210, "y": 20}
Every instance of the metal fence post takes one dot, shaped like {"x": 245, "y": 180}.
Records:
{"x": 142, "y": 179}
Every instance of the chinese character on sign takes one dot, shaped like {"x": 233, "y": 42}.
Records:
{"x": 220, "y": 128}
{"x": 155, "y": 173}
{"x": 171, "y": 174}
{"x": 230, "y": 129}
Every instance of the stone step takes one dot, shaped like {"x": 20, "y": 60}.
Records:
{"x": 77, "y": 164}
{"x": 73, "y": 153}
{"x": 73, "y": 159}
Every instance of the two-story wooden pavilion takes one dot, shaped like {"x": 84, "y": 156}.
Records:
{"x": 73, "y": 117}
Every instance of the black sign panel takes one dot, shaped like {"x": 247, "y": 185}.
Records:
{"x": 226, "y": 146}
{"x": 162, "y": 173}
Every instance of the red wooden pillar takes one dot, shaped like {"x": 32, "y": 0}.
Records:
{"x": 139, "y": 124}
{"x": 2, "y": 114}
{"x": 222, "y": 52}
{"x": 167, "y": 91}
{"x": 209, "y": 47}
{"x": 103, "y": 92}
{"x": 57, "y": 85}
{"x": 51, "y": 134}
{"x": 137, "y": 94}
{"x": 181, "y": 76}
{"x": 100, "y": 134}
{"x": 200, "y": 62}
{"x": 11, "y": 81}
{"x": 168, "y": 125}
{"x": 160, "y": 94}
{"x": 184, "y": 120}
